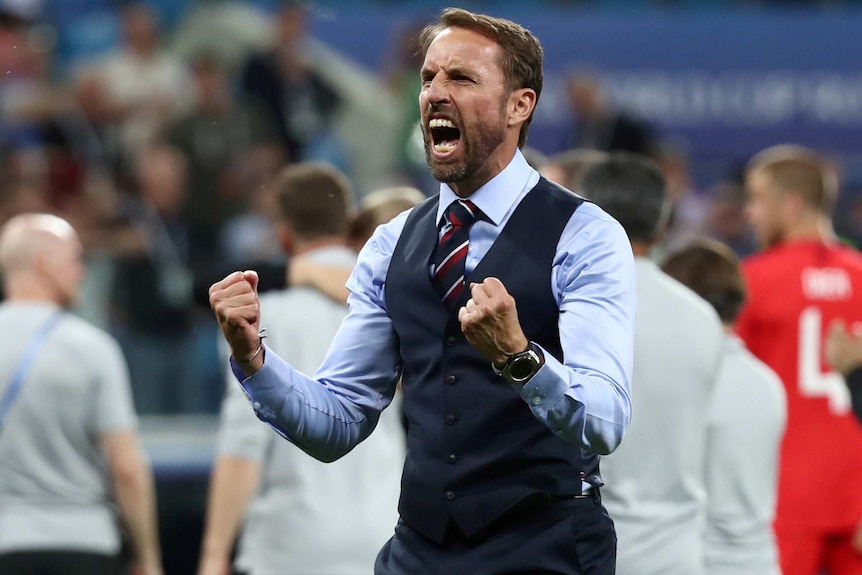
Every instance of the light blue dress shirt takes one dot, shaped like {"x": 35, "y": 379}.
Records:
{"x": 585, "y": 401}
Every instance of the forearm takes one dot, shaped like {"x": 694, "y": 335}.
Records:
{"x": 135, "y": 495}
{"x": 329, "y": 280}
{"x": 582, "y": 407}
{"x": 586, "y": 398}
{"x": 326, "y": 420}
{"x": 233, "y": 483}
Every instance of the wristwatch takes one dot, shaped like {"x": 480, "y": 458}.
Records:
{"x": 521, "y": 367}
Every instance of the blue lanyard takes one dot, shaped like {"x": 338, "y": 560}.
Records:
{"x": 25, "y": 363}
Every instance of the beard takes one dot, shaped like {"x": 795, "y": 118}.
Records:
{"x": 476, "y": 145}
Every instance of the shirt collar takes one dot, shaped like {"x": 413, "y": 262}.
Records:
{"x": 497, "y": 196}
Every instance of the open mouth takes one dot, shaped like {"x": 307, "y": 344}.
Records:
{"x": 444, "y": 135}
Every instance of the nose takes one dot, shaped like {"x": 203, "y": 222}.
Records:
{"x": 435, "y": 91}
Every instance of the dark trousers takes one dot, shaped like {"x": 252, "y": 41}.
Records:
{"x": 60, "y": 563}
{"x": 569, "y": 537}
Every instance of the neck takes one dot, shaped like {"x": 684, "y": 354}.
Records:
{"x": 27, "y": 289}
{"x": 810, "y": 229}
{"x": 305, "y": 246}
{"x": 641, "y": 249}
{"x": 728, "y": 328}
{"x": 497, "y": 161}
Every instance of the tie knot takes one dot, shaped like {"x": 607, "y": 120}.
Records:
{"x": 462, "y": 213}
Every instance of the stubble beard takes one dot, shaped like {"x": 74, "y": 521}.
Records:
{"x": 460, "y": 169}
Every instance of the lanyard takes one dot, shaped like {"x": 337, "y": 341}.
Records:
{"x": 25, "y": 363}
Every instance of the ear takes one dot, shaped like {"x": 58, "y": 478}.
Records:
{"x": 43, "y": 262}
{"x": 522, "y": 102}
{"x": 794, "y": 205}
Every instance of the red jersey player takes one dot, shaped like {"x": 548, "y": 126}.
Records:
{"x": 803, "y": 280}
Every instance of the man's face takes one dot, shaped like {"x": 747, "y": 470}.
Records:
{"x": 764, "y": 209}
{"x": 463, "y": 103}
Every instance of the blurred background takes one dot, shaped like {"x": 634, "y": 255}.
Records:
{"x": 154, "y": 127}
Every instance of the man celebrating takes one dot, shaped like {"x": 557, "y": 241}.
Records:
{"x": 514, "y": 385}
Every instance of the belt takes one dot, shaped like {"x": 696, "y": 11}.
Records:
{"x": 529, "y": 508}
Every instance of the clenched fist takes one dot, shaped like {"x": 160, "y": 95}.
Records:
{"x": 490, "y": 323}
{"x": 237, "y": 308}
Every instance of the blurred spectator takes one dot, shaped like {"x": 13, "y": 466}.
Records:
{"x": 598, "y": 125}
{"x": 747, "y": 415}
{"x": 725, "y": 218}
{"x": 298, "y": 515}
{"x": 250, "y": 235}
{"x": 688, "y": 206}
{"x": 654, "y": 481}
{"x": 221, "y": 142}
{"x": 377, "y": 208}
{"x": 534, "y": 157}
{"x": 69, "y": 447}
{"x": 230, "y": 30}
{"x": 566, "y": 168}
{"x": 294, "y": 97}
{"x": 19, "y": 195}
{"x": 144, "y": 85}
{"x": 36, "y": 112}
{"x": 152, "y": 286}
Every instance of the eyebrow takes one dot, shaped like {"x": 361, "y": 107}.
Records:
{"x": 451, "y": 71}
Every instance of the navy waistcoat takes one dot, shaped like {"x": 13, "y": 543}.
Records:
{"x": 474, "y": 447}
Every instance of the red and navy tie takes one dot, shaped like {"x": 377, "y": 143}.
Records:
{"x": 447, "y": 273}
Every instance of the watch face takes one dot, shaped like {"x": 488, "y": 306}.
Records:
{"x": 523, "y": 367}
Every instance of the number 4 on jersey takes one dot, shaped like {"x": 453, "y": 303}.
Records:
{"x": 813, "y": 382}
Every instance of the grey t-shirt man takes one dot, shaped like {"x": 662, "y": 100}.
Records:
{"x": 54, "y": 488}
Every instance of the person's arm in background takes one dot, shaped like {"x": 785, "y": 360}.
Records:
{"x": 240, "y": 448}
{"x": 329, "y": 280}
{"x": 132, "y": 482}
{"x": 233, "y": 482}
{"x": 844, "y": 353}
{"x": 299, "y": 271}
{"x": 129, "y": 472}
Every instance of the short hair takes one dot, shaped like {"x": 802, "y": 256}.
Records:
{"x": 711, "y": 270}
{"x": 522, "y": 52}
{"x": 378, "y": 208}
{"x": 792, "y": 168}
{"x": 631, "y": 188}
{"x": 314, "y": 199}
{"x": 573, "y": 163}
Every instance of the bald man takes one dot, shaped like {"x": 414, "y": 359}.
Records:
{"x": 69, "y": 448}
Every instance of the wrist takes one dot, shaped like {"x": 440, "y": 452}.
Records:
{"x": 520, "y": 367}
{"x": 253, "y": 361}
{"x": 504, "y": 356}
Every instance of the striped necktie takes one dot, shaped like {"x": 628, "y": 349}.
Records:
{"x": 448, "y": 270}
